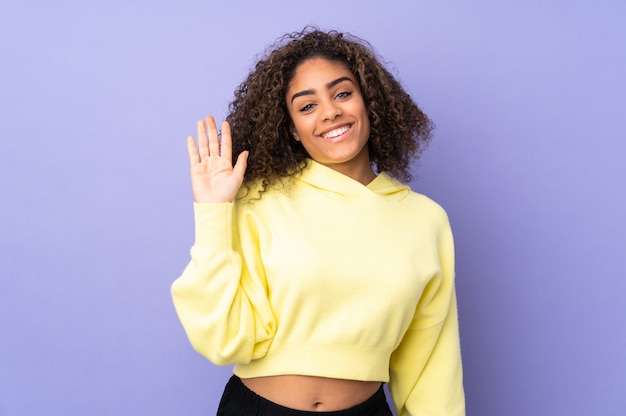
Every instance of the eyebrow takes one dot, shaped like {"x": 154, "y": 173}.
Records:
{"x": 328, "y": 86}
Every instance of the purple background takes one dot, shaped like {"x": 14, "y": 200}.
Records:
{"x": 97, "y": 97}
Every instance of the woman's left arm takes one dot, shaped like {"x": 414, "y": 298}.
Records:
{"x": 426, "y": 371}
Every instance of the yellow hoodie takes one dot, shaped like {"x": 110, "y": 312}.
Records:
{"x": 328, "y": 277}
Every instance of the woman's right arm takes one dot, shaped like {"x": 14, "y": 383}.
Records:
{"x": 220, "y": 300}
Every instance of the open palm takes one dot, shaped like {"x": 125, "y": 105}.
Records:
{"x": 213, "y": 176}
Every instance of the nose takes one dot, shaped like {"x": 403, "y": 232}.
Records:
{"x": 331, "y": 110}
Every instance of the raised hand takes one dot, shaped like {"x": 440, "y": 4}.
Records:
{"x": 213, "y": 177}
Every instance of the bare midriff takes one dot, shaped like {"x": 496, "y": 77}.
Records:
{"x": 316, "y": 394}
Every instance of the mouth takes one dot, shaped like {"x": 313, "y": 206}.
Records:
{"x": 338, "y": 132}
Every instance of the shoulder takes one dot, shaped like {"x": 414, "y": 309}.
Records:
{"x": 427, "y": 210}
{"x": 427, "y": 203}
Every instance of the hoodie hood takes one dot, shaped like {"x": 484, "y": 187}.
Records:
{"x": 322, "y": 177}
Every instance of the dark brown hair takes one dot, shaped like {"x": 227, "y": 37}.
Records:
{"x": 260, "y": 121}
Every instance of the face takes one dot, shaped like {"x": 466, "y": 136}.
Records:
{"x": 329, "y": 116}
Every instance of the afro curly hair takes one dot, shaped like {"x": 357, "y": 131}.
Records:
{"x": 260, "y": 121}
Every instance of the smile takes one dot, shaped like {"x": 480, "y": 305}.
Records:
{"x": 336, "y": 132}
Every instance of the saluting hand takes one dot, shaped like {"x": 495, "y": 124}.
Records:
{"x": 213, "y": 177}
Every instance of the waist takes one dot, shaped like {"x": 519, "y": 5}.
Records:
{"x": 310, "y": 393}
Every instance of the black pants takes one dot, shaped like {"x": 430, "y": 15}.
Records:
{"x": 238, "y": 400}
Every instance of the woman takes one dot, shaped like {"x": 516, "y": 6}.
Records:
{"x": 314, "y": 271}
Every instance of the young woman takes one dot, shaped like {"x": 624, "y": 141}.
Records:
{"x": 314, "y": 271}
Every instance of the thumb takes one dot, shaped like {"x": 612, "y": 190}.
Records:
{"x": 241, "y": 164}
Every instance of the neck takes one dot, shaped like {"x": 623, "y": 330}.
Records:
{"x": 363, "y": 175}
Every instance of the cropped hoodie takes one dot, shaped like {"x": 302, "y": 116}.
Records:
{"x": 324, "y": 276}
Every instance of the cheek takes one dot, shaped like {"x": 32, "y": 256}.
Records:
{"x": 365, "y": 116}
{"x": 303, "y": 126}
{"x": 360, "y": 107}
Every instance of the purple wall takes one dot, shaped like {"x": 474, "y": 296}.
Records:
{"x": 95, "y": 202}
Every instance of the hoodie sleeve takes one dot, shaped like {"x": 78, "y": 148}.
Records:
{"x": 221, "y": 297}
{"x": 425, "y": 370}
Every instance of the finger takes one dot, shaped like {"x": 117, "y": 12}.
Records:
{"x": 192, "y": 151}
{"x": 203, "y": 146}
{"x": 214, "y": 141}
{"x": 241, "y": 164}
{"x": 227, "y": 142}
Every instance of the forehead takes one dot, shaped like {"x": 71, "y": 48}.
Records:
{"x": 318, "y": 71}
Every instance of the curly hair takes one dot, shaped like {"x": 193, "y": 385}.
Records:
{"x": 260, "y": 121}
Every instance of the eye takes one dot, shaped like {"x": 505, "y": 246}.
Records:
{"x": 307, "y": 107}
{"x": 344, "y": 94}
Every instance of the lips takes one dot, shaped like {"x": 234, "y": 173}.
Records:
{"x": 336, "y": 132}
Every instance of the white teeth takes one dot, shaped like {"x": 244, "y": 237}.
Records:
{"x": 337, "y": 132}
